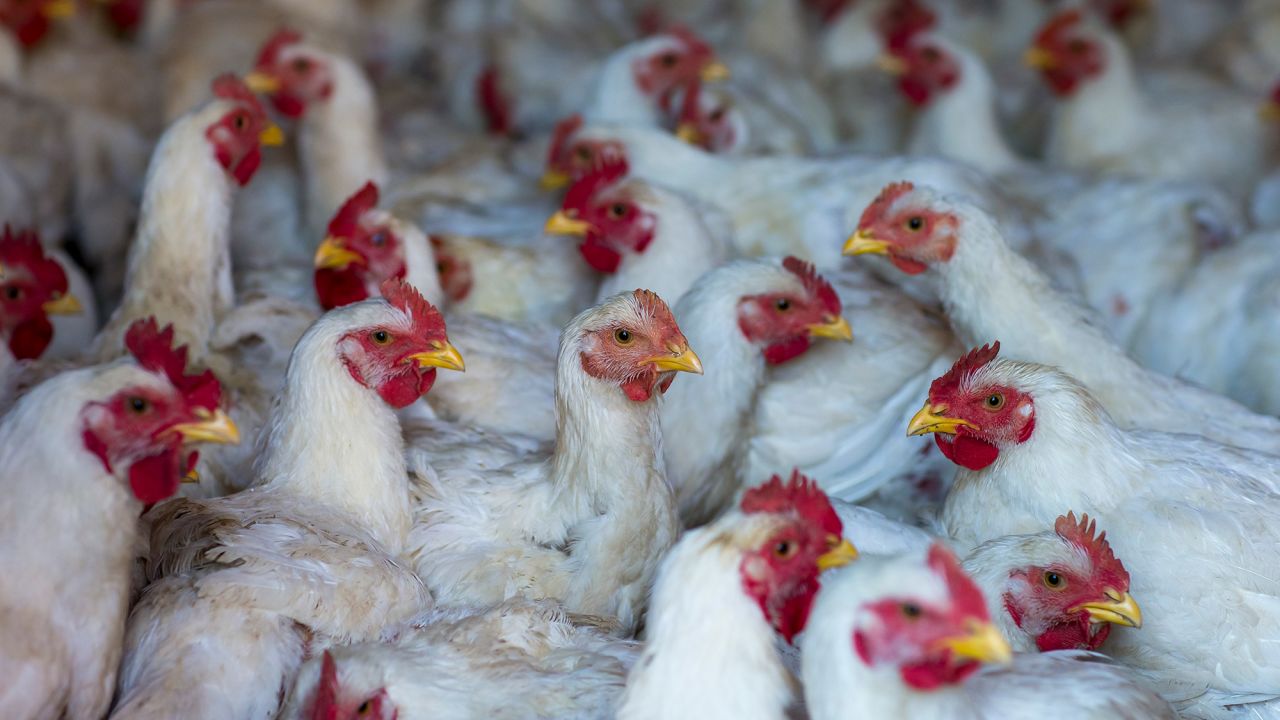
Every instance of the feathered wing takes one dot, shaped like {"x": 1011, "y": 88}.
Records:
{"x": 1094, "y": 688}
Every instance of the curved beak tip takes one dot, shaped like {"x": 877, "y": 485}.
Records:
{"x": 445, "y": 356}
{"x": 863, "y": 242}
{"x": 271, "y": 135}
{"x": 1039, "y": 58}
{"x": 891, "y": 64}
{"x": 333, "y": 254}
{"x": 833, "y": 329}
{"x": 65, "y": 304}
{"x": 211, "y": 427}
{"x": 714, "y": 71}
{"x": 561, "y": 224}
{"x": 931, "y": 420}
{"x": 840, "y": 555}
{"x": 1117, "y": 608}
{"x": 553, "y": 180}
{"x": 262, "y": 83}
{"x": 981, "y": 642}
{"x": 680, "y": 360}
{"x": 688, "y": 133}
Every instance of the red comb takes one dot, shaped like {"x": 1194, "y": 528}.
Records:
{"x": 603, "y": 175}
{"x": 344, "y": 221}
{"x": 695, "y": 44}
{"x": 271, "y": 49}
{"x": 1105, "y": 563}
{"x": 814, "y": 283}
{"x": 1057, "y": 25}
{"x": 655, "y": 307}
{"x": 798, "y": 493}
{"x": 887, "y": 196}
{"x": 22, "y": 249}
{"x": 903, "y": 20}
{"x": 230, "y": 87}
{"x": 326, "y": 704}
{"x": 426, "y": 319}
{"x": 560, "y": 136}
{"x": 965, "y": 366}
{"x": 153, "y": 349}
{"x": 965, "y": 595}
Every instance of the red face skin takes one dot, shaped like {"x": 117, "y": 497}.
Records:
{"x": 1045, "y": 601}
{"x": 330, "y": 702}
{"x": 910, "y": 631}
{"x": 930, "y": 71}
{"x": 917, "y": 236}
{"x": 779, "y": 322}
{"x": 303, "y": 78}
{"x": 1075, "y": 54}
{"x": 366, "y": 232}
{"x": 620, "y": 353}
{"x": 902, "y": 20}
{"x": 455, "y": 273}
{"x": 494, "y": 103}
{"x": 1003, "y": 416}
{"x": 134, "y": 428}
{"x": 618, "y": 224}
{"x": 782, "y": 574}
{"x": 125, "y": 15}
{"x": 28, "y": 20}
{"x": 577, "y": 157}
{"x": 660, "y": 73}
{"x": 30, "y": 280}
{"x": 711, "y": 121}
{"x": 378, "y": 357}
{"x": 236, "y": 136}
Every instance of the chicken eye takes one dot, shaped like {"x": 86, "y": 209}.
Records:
{"x": 994, "y": 401}
{"x": 668, "y": 59}
{"x": 910, "y": 610}
{"x": 1053, "y": 580}
{"x": 379, "y": 239}
{"x": 618, "y": 210}
{"x": 915, "y": 222}
{"x": 622, "y": 336}
{"x": 364, "y": 708}
{"x": 1077, "y": 46}
{"x": 716, "y": 115}
{"x": 240, "y": 121}
{"x": 301, "y": 65}
{"x": 782, "y": 304}
{"x": 13, "y": 292}
{"x": 381, "y": 337}
{"x": 784, "y": 549}
{"x": 929, "y": 54}
{"x": 138, "y": 405}
{"x": 582, "y": 154}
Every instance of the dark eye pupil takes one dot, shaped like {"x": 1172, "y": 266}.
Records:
{"x": 911, "y": 610}
{"x": 380, "y": 336}
{"x": 783, "y": 304}
{"x": 668, "y": 59}
{"x": 619, "y": 209}
{"x": 915, "y": 223}
{"x": 364, "y": 707}
{"x": 993, "y": 400}
{"x": 1052, "y": 578}
{"x": 137, "y": 404}
{"x": 379, "y": 239}
{"x": 783, "y": 548}
{"x": 12, "y": 292}
{"x": 623, "y": 335}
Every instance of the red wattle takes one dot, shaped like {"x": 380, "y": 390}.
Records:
{"x": 155, "y": 477}
{"x": 966, "y": 450}
{"x": 908, "y": 266}
{"x": 789, "y": 349}
{"x": 248, "y": 166}
{"x": 336, "y": 288}
{"x": 31, "y": 338}
{"x": 600, "y": 258}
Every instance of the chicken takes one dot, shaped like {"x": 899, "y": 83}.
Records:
{"x": 517, "y": 660}
{"x": 1105, "y": 121}
{"x": 1031, "y": 440}
{"x": 34, "y": 297}
{"x": 585, "y": 525}
{"x": 724, "y": 596}
{"x": 84, "y": 452}
{"x": 637, "y": 233}
{"x": 749, "y": 315}
{"x": 908, "y": 636}
{"x": 776, "y": 206}
{"x": 989, "y": 292}
{"x": 309, "y": 554}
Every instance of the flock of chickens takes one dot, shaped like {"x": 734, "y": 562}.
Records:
{"x": 246, "y": 478}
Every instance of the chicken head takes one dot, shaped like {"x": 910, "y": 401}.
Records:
{"x": 783, "y": 321}
{"x": 710, "y": 121}
{"x": 675, "y": 59}
{"x": 607, "y": 214}
{"x": 332, "y": 700}
{"x": 571, "y": 158}
{"x": 398, "y": 357}
{"x": 924, "y": 68}
{"x": 1067, "y": 52}
{"x": 360, "y": 251}
{"x": 902, "y": 224}
{"x": 141, "y": 428}
{"x": 238, "y": 136}
{"x": 633, "y": 340}
{"x": 31, "y": 20}
{"x": 292, "y": 75}
{"x": 32, "y": 287}
{"x": 934, "y": 629}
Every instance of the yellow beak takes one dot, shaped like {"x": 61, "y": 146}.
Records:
{"x": 1270, "y": 111}
{"x": 931, "y": 420}
{"x": 444, "y": 356}
{"x": 261, "y": 82}
{"x": 863, "y": 242}
{"x": 333, "y": 254}
{"x": 714, "y": 71}
{"x": 66, "y": 304}
{"x": 562, "y": 224}
{"x": 191, "y": 477}
{"x": 213, "y": 427}
{"x": 681, "y": 359}
{"x": 59, "y": 9}
{"x": 892, "y": 64}
{"x": 981, "y": 642}
{"x": 1119, "y": 608}
{"x": 1039, "y": 58}
{"x": 554, "y": 180}
{"x": 836, "y": 328}
{"x": 271, "y": 135}
{"x": 840, "y": 555}
{"x": 688, "y": 132}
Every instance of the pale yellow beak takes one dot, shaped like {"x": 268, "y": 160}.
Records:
{"x": 333, "y": 254}
{"x": 833, "y": 328}
{"x": 892, "y": 64}
{"x": 981, "y": 642}
{"x": 211, "y": 427}
{"x": 840, "y": 555}
{"x": 554, "y": 180}
{"x": 863, "y": 242}
{"x": 59, "y": 9}
{"x": 444, "y": 356}
{"x": 65, "y": 304}
{"x": 1119, "y": 608}
{"x": 561, "y": 224}
{"x": 714, "y": 71}
{"x": 271, "y": 135}
{"x": 1270, "y": 111}
{"x": 261, "y": 82}
{"x": 688, "y": 132}
{"x": 681, "y": 359}
{"x": 931, "y": 420}
{"x": 191, "y": 477}
{"x": 1039, "y": 58}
